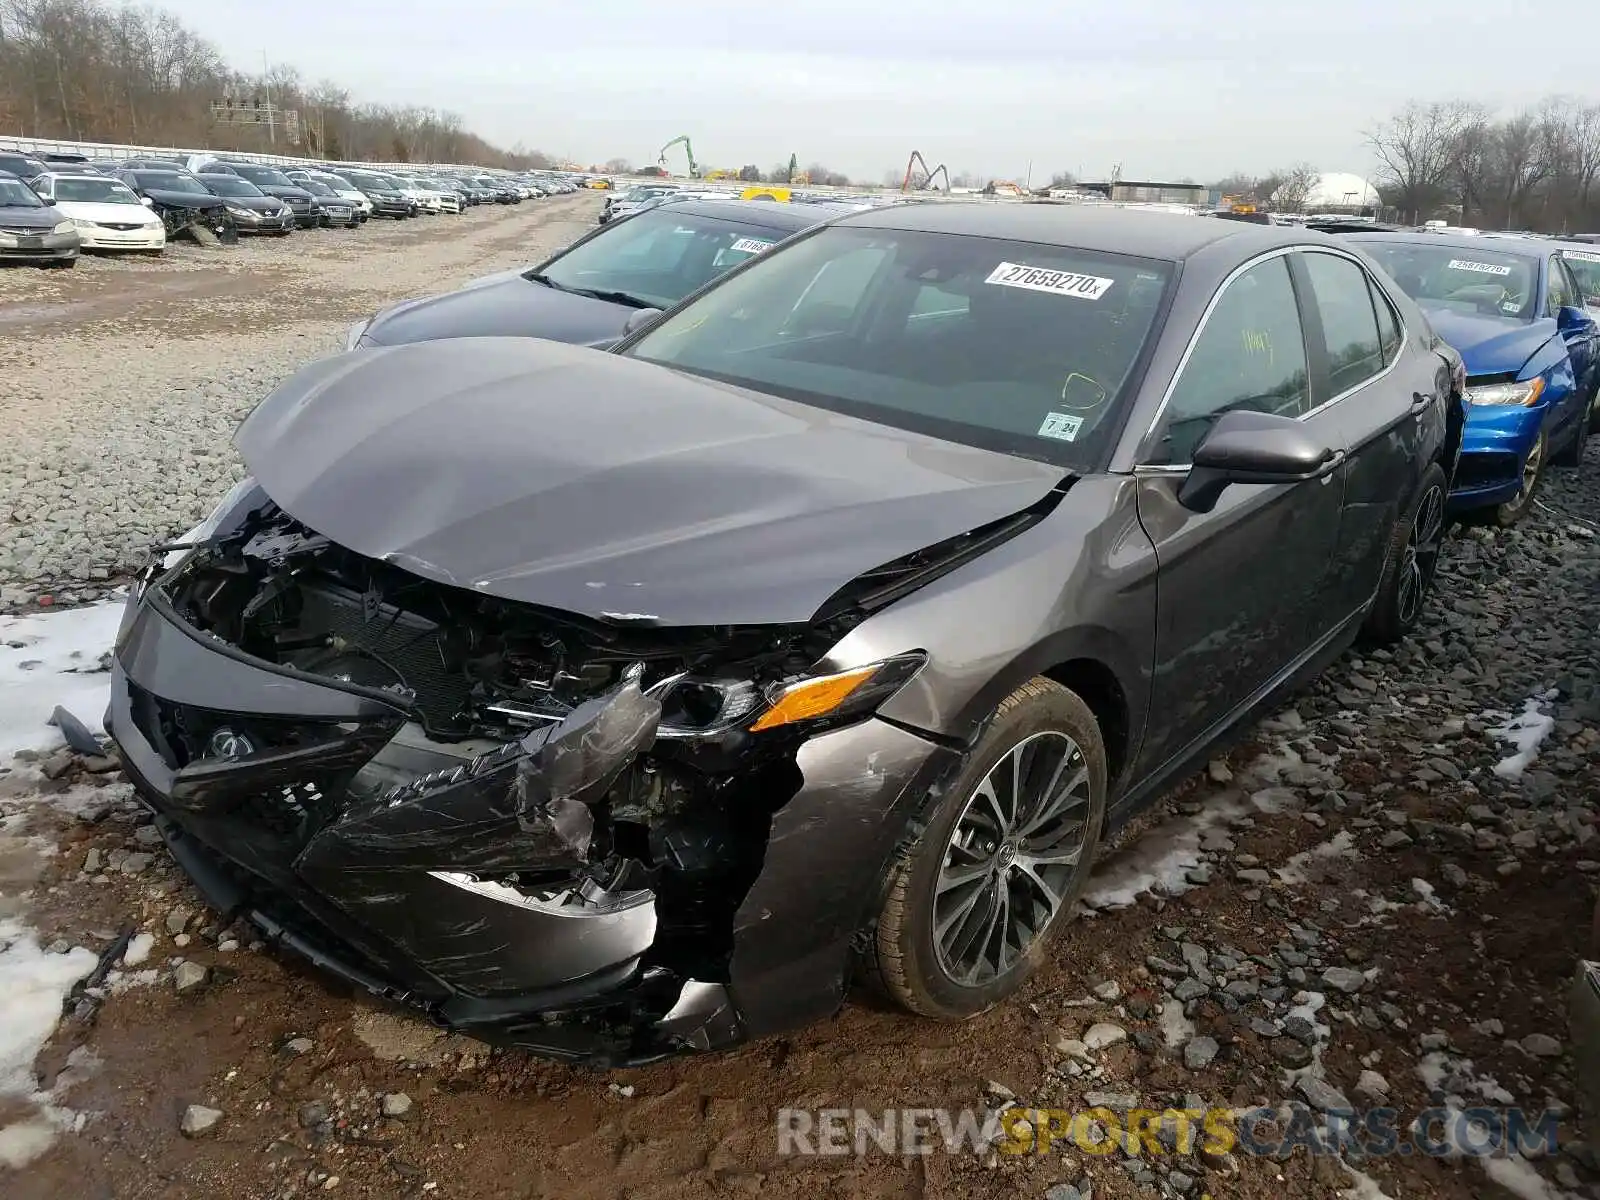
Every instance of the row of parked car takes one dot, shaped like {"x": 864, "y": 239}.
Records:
{"x": 53, "y": 207}
{"x": 821, "y": 605}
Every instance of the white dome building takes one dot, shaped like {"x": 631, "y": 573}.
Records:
{"x": 1341, "y": 191}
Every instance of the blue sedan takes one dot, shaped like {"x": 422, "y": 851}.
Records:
{"x": 1514, "y": 310}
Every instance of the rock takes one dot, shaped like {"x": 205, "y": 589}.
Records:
{"x": 1253, "y": 875}
{"x": 1541, "y": 1045}
{"x": 396, "y": 1105}
{"x": 1064, "y": 1191}
{"x": 136, "y": 862}
{"x": 1072, "y": 1047}
{"x": 1189, "y": 989}
{"x": 1373, "y": 1088}
{"x": 189, "y": 976}
{"x": 1103, "y": 1034}
{"x": 147, "y": 835}
{"x": 1119, "y": 1102}
{"x": 295, "y": 1047}
{"x": 1108, "y": 991}
{"x": 93, "y": 861}
{"x": 312, "y": 1114}
{"x": 178, "y": 920}
{"x": 1199, "y": 1052}
{"x": 198, "y": 1120}
{"x": 1180, "y": 1182}
{"x": 1344, "y": 979}
{"x": 1321, "y": 1094}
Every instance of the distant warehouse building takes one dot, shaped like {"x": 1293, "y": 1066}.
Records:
{"x": 1133, "y": 192}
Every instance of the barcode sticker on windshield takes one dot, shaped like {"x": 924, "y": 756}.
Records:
{"x": 1462, "y": 264}
{"x": 1042, "y": 279}
{"x": 750, "y": 246}
{"x": 1061, "y": 426}
{"x": 1581, "y": 255}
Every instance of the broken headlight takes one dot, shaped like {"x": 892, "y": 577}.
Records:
{"x": 696, "y": 707}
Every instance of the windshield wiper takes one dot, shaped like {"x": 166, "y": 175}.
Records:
{"x": 627, "y": 298}
{"x": 539, "y": 277}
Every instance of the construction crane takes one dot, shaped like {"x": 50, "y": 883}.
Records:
{"x": 688, "y": 150}
{"x": 912, "y": 164}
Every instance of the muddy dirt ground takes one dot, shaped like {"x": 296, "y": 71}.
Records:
{"x": 1355, "y": 896}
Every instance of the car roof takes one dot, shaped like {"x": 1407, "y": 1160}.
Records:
{"x": 774, "y": 216}
{"x": 1456, "y": 241}
{"x": 84, "y": 175}
{"x": 1119, "y": 231}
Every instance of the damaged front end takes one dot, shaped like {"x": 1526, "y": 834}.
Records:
{"x": 539, "y": 828}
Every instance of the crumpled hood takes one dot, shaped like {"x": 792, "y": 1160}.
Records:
{"x": 1490, "y": 345}
{"x": 600, "y": 485}
{"x": 183, "y": 199}
{"x": 500, "y": 306}
{"x": 31, "y": 218}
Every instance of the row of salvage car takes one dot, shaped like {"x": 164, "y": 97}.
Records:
{"x": 624, "y": 656}
{"x": 53, "y": 208}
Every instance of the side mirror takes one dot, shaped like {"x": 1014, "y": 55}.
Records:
{"x": 48, "y": 201}
{"x": 1252, "y": 447}
{"x": 1572, "y": 319}
{"x": 147, "y": 202}
{"x": 639, "y": 318}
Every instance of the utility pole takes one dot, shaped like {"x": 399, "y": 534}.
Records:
{"x": 266, "y": 83}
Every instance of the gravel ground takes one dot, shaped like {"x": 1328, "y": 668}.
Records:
{"x": 1364, "y": 905}
{"x": 126, "y": 378}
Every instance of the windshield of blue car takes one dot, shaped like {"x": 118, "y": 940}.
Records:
{"x": 1481, "y": 281}
{"x": 232, "y": 185}
{"x": 1014, "y": 346}
{"x": 654, "y": 259}
{"x": 94, "y": 191}
{"x": 16, "y": 194}
{"x": 171, "y": 181}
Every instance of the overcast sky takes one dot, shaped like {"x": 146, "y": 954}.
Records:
{"x": 1166, "y": 88}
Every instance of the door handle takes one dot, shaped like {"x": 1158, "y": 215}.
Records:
{"x": 1420, "y": 403}
{"x": 1326, "y": 470}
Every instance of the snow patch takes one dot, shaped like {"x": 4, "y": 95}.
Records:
{"x": 32, "y": 987}
{"x": 1315, "y": 862}
{"x": 1524, "y": 732}
{"x": 1362, "y": 1186}
{"x": 1520, "y": 1179}
{"x": 48, "y": 659}
{"x": 139, "y": 949}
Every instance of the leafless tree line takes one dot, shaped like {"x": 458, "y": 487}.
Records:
{"x": 83, "y": 70}
{"x": 1460, "y": 161}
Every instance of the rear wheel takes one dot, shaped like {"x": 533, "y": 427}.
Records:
{"x": 1410, "y": 564}
{"x": 998, "y": 868}
{"x": 1513, "y": 510}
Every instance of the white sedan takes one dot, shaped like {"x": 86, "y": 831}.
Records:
{"x": 106, "y": 212}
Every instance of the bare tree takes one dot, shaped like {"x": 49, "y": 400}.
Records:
{"x": 1417, "y": 147}
{"x": 1291, "y": 194}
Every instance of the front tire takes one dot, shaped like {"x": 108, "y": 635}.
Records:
{"x": 1508, "y": 514}
{"x": 1409, "y": 566}
{"x": 973, "y": 903}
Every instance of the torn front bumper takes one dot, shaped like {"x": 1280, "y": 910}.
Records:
{"x": 393, "y": 886}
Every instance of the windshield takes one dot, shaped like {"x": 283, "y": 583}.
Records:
{"x": 370, "y": 182}
{"x": 656, "y": 259}
{"x": 1585, "y": 265}
{"x": 336, "y": 182}
{"x": 315, "y": 188}
{"x": 1482, "y": 280}
{"x": 1018, "y": 347}
{"x": 16, "y": 194}
{"x": 231, "y": 185}
{"x": 171, "y": 181}
{"x": 94, "y": 191}
{"x": 264, "y": 175}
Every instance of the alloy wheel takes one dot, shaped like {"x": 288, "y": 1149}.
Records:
{"x": 1011, "y": 858}
{"x": 1421, "y": 554}
{"x": 1532, "y": 465}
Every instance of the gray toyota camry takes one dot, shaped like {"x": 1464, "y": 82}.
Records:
{"x": 616, "y": 704}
